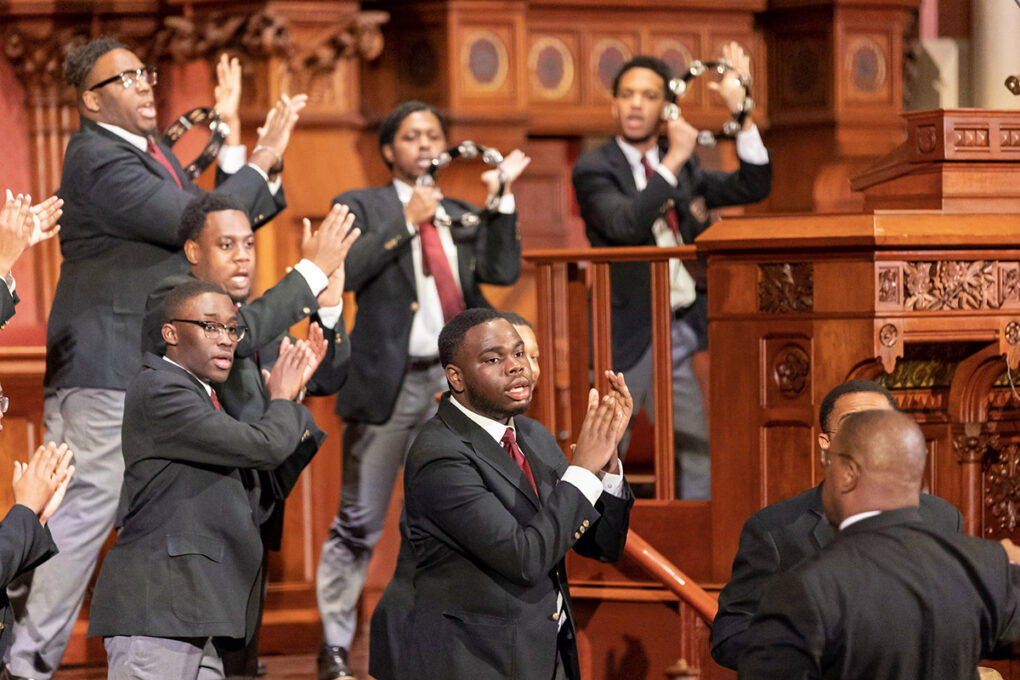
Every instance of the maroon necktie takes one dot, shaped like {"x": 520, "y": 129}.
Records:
{"x": 215, "y": 400}
{"x": 435, "y": 264}
{"x": 671, "y": 218}
{"x": 157, "y": 153}
{"x": 510, "y": 444}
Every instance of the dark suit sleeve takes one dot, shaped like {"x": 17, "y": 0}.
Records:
{"x": 183, "y": 419}
{"x": 498, "y": 251}
{"x": 329, "y": 377}
{"x": 756, "y": 561}
{"x": 383, "y": 236}
{"x": 620, "y": 219}
{"x": 7, "y": 302}
{"x": 449, "y": 495}
{"x": 607, "y": 538}
{"x": 749, "y": 184}
{"x": 24, "y": 543}
{"x": 787, "y": 639}
{"x": 271, "y": 314}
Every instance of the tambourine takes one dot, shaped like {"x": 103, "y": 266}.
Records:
{"x": 218, "y": 131}
{"x": 466, "y": 149}
{"x": 679, "y": 87}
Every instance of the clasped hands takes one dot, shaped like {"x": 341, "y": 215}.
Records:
{"x": 604, "y": 424}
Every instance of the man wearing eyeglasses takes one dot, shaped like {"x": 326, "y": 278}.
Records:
{"x": 123, "y": 194}
{"x": 786, "y": 533}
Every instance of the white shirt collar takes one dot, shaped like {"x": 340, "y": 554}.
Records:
{"x": 633, "y": 155}
{"x": 853, "y": 519}
{"x": 130, "y": 137}
{"x": 495, "y": 428}
{"x": 207, "y": 386}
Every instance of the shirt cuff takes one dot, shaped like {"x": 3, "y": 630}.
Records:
{"x": 273, "y": 186}
{"x": 314, "y": 277}
{"x": 9, "y": 281}
{"x": 612, "y": 482}
{"x": 667, "y": 174}
{"x": 586, "y": 482}
{"x": 507, "y": 204}
{"x": 328, "y": 316}
{"x": 231, "y": 158}
{"x": 750, "y": 148}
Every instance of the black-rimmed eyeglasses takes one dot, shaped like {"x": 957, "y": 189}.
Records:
{"x": 213, "y": 329}
{"x": 145, "y": 74}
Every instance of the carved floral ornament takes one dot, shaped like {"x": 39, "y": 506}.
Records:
{"x": 787, "y": 287}
{"x": 949, "y": 284}
{"x": 791, "y": 369}
{"x": 1002, "y": 487}
{"x": 40, "y": 59}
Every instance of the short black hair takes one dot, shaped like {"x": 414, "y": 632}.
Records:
{"x": 177, "y": 296}
{"x": 391, "y": 123}
{"x": 82, "y": 58}
{"x": 849, "y": 387}
{"x": 452, "y": 336}
{"x": 195, "y": 213}
{"x": 516, "y": 319}
{"x": 660, "y": 67}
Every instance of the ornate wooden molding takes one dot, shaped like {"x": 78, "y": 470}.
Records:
{"x": 939, "y": 285}
{"x": 791, "y": 370}
{"x": 787, "y": 287}
{"x": 1002, "y": 487}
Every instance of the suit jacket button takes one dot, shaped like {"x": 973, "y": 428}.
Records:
{"x": 305, "y": 435}
{"x": 306, "y": 310}
{"x": 556, "y": 616}
{"x": 260, "y": 217}
{"x": 581, "y": 529}
{"x": 414, "y": 306}
{"x": 585, "y": 523}
{"x": 577, "y": 535}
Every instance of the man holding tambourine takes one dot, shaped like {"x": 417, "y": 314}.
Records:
{"x": 636, "y": 190}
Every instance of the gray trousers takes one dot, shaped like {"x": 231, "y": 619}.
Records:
{"x": 372, "y": 456}
{"x": 139, "y": 657}
{"x": 690, "y": 427}
{"x": 46, "y": 601}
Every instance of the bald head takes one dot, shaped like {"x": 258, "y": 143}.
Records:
{"x": 878, "y": 460}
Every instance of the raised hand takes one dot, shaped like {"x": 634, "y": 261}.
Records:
{"x": 274, "y": 134}
{"x": 683, "y": 138}
{"x": 16, "y": 226}
{"x": 601, "y": 430}
{"x": 287, "y": 378}
{"x": 228, "y": 96}
{"x": 40, "y": 483}
{"x": 422, "y": 206}
{"x": 317, "y": 346}
{"x": 44, "y": 219}
{"x": 328, "y": 246}
{"x": 513, "y": 165}
{"x": 729, "y": 88}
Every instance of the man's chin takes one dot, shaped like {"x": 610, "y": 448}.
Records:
{"x": 637, "y": 141}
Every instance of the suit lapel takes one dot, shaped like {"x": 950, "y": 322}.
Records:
{"x": 620, "y": 167}
{"x": 392, "y": 210}
{"x": 487, "y": 449}
{"x": 545, "y": 476}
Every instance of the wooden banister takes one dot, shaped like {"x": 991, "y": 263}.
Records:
{"x": 664, "y": 571}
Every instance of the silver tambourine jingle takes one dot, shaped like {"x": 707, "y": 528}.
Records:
{"x": 681, "y": 86}
{"x": 466, "y": 149}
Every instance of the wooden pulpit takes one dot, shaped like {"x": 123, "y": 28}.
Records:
{"x": 921, "y": 293}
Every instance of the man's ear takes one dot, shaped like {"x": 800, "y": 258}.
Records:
{"x": 455, "y": 378}
{"x": 387, "y": 153}
{"x": 849, "y": 475}
{"x": 169, "y": 332}
{"x": 823, "y": 439}
{"x": 90, "y": 100}
{"x": 191, "y": 251}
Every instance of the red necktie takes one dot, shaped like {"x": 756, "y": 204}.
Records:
{"x": 215, "y": 400}
{"x": 510, "y": 444}
{"x": 671, "y": 218}
{"x": 435, "y": 264}
{"x": 157, "y": 153}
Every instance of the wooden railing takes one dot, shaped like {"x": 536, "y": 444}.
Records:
{"x": 563, "y": 281}
{"x": 673, "y": 578}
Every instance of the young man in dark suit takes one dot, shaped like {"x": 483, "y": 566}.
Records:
{"x": 187, "y": 561}
{"x": 891, "y": 597}
{"x": 410, "y": 274}
{"x": 632, "y": 191}
{"x": 123, "y": 198}
{"x": 220, "y": 246}
{"x": 782, "y": 535}
{"x": 492, "y": 507}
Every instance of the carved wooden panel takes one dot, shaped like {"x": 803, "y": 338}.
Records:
{"x": 866, "y": 68}
{"x": 787, "y": 287}
{"x": 935, "y": 285}
{"x": 787, "y": 459}
{"x": 786, "y": 365}
{"x": 552, "y": 68}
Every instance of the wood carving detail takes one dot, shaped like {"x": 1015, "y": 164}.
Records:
{"x": 889, "y": 285}
{"x": 1009, "y": 137}
{"x": 1002, "y": 487}
{"x": 970, "y": 138}
{"x": 786, "y": 287}
{"x": 791, "y": 369}
{"x": 959, "y": 284}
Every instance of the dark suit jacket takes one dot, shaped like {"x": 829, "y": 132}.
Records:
{"x": 7, "y": 302}
{"x": 24, "y": 545}
{"x": 118, "y": 238}
{"x": 490, "y": 553}
{"x": 890, "y": 598}
{"x": 774, "y": 540}
{"x": 187, "y": 560}
{"x": 615, "y": 213}
{"x": 243, "y": 394}
{"x": 381, "y": 274}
